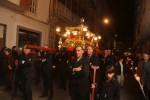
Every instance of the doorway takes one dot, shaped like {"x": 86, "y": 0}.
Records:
{"x": 28, "y": 36}
{"x": 2, "y": 35}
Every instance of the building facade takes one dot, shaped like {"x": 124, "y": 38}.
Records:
{"x": 24, "y": 22}
{"x": 142, "y": 26}
{"x": 34, "y": 21}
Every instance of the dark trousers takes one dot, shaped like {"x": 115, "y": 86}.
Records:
{"x": 26, "y": 87}
{"x": 16, "y": 86}
{"x": 47, "y": 83}
{"x": 62, "y": 76}
{"x": 7, "y": 80}
{"x": 38, "y": 73}
{"x": 76, "y": 94}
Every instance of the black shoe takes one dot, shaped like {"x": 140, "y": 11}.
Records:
{"x": 43, "y": 95}
{"x": 50, "y": 97}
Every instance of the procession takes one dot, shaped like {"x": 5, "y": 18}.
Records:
{"x": 74, "y": 50}
{"x": 91, "y": 76}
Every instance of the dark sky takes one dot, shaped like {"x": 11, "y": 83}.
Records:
{"x": 123, "y": 15}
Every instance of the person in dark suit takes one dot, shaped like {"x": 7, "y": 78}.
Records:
{"x": 62, "y": 70}
{"x": 26, "y": 63}
{"x": 94, "y": 61}
{"x": 79, "y": 72}
{"x": 145, "y": 81}
{"x": 47, "y": 69}
{"x": 121, "y": 71}
{"x": 104, "y": 62}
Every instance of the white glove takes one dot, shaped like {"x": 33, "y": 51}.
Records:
{"x": 23, "y": 62}
{"x": 43, "y": 60}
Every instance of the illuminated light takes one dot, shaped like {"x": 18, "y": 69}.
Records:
{"x": 99, "y": 37}
{"x": 68, "y": 32}
{"x": 84, "y": 29}
{"x": 57, "y": 29}
{"x": 74, "y": 32}
{"x": 65, "y": 35}
{"x": 87, "y": 34}
{"x": 95, "y": 38}
{"x": 106, "y": 21}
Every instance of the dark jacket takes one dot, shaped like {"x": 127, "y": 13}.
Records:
{"x": 47, "y": 65}
{"x": 15, "y": 54}
{"x": 79, "y": 78}
{"x": 94, "y": 61}
{"x": 104, "y": 62}
{"x": 28, "y": 69}
{"x": 112, "y": 90}
{"x": 146, "y": 76}
{"x": 118, "y": 69}
{"x": 140, "y": 68}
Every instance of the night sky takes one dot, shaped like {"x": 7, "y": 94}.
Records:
{"x": 123, "y": 15}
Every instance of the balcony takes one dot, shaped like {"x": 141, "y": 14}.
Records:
{"x": 62, "y": 12}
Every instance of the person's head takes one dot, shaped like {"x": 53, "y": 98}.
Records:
{"x": 79, "y": 51}
{"x": 39, "y": 53}
{"x": 26, "y": 50}
{"x": 89, "y": 50}
{"x": 14, "y": 48}
{"x": 120, "y": 59}
{"x": 110, "y": 72}
{"x": 16, "y": 62}
{"x": 109, "y": 51}
{"x": 7, "y": 51}
{"x": 106, "y": 52}
{"x": 143, "y": 55}
{"x": 146, "y": 57}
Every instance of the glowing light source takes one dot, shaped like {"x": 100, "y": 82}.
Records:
{"x": 74, "y": 32}
{"x": 84, "y": 29}
{"x": 106, "y": 21}
{"x": 57, "y": 29}
{"x": 95, "y": 38}
{"x": 68, "y": 32}
{"x": 99, "y": 37}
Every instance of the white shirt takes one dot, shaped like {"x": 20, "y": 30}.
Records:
{"x": 121, "y": 66}
{"x": 78, "y": 59}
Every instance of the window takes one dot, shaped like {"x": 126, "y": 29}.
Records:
{"x": 33, "y": 6}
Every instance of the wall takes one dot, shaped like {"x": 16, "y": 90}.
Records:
{"x": 38, "y": 22}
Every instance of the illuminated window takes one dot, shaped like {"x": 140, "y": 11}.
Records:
{"x": 33, "y": 6}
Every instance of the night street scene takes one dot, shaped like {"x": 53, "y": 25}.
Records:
{"x": 74, "y": 50}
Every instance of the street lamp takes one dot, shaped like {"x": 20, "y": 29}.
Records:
{"x": 106, "y": 21}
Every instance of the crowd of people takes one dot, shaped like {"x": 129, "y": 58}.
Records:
{"x": 19, "y": 69}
